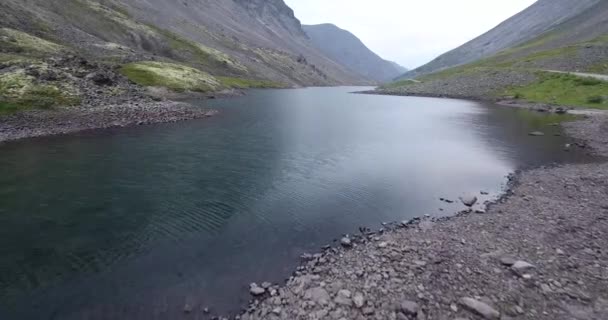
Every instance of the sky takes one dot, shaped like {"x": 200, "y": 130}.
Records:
{"x": 410, "y": 32}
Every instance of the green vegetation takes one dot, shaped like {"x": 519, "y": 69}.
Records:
{"x": 22, "y": 43}
{"x": 564, "y": 89}
{"x": 595, "y": 99}
{"x": 239, "y": 83}
{"x": 19, "y": 91}
{"x": 176, "y": 77}
{"x": 397, "y": 84}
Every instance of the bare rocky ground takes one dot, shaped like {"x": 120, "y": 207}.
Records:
{"x": 467, "y": 85}
{"x": 539, "y": 253}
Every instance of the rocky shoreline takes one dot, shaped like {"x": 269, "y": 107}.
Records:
{"x": 105, "y": 99}
{"x": 37, "y": 123}
{"x": 537, "y": 253}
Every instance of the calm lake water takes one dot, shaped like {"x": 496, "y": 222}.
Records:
{"x": 134, "y": 223}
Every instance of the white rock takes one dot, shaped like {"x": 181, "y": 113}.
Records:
{"x": 346, "y": 242}
{"x": 480, "y": 308}
{"x": 359, "y": 300}
{"x": 256, "y": 290}
{"x": 343, "y": 298}
{"x": 522, "y": 265}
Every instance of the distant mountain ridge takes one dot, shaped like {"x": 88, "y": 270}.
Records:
{"x": 345, "y": 48}
{"x": 539, "y": 18}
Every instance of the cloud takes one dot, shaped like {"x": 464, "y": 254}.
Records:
{"x": 410, "y": 32}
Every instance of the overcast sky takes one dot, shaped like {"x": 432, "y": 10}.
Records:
{"x": 410, "y": 32}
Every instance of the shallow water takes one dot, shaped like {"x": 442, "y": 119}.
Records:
{"x": 134, "y": 223}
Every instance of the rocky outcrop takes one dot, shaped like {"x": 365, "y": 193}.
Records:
{"x": 346, "y": 49}
{"x": 258, "y": 39}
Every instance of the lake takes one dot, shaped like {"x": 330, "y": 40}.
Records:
{"x": 134, "y": 223}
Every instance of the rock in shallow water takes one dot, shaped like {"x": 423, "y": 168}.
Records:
{"x": 256, "y": 290}
{"x": 346, "y": 242}
{"x": 537, "y": 134}
{"x": 469, "y": 201}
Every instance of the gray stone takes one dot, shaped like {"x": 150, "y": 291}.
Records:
{"x": 318, "y": 295}
{"x": 409, "y": 308}
{"x": 343, "y": 298}
{"x": 256, "y": 290}
{"x": 469, "y": 201}
{"x": 358, "y": 300}
{"x": 480, "y": 308}
{"x": 507, "y": 261}
{"x": 346, "y": 242}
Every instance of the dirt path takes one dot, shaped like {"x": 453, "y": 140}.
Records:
{"x": 602, "y": 77}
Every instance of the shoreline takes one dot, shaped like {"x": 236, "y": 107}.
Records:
{"x": 536, "y": 253}
{"x": 59, "y": 121}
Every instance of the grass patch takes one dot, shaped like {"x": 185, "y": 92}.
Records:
{"x": 13, "y": 41}
{"x": 173, "y": 76}
{"x": 565, "y": 90}
{"x": 7, "y": 107}
{"x": 239, "y": 83}
{"x": 19, "y": 91}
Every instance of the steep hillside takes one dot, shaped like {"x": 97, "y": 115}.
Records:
{"x": 258, "y": 39}
{"x": 539, "y": 18}
{"x": 528, "y": 71}
{"x": 345, "y": 48}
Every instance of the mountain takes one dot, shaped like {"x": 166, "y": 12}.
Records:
{"x": 248, "y": 39}
{"x": 564, "y": 64}
{"x": 539, "y": 18}
{"x": 346, "y": 49}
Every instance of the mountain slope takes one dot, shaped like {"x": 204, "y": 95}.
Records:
{"x": 345, "y": 48}
{"x": 539, "y": 18}
{"x": 259, "y": 39}
{"x": 526, "y": 71}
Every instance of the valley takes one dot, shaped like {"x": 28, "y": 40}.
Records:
{"x": 207, "y": 159}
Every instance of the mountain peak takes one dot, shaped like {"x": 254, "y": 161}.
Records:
{"x": 345, "y": 48}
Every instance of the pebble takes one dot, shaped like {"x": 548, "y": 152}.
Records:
{"x": 480, "y": 308}
{"x": 522, "y": 266}
{"x": 507, "y": 261}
